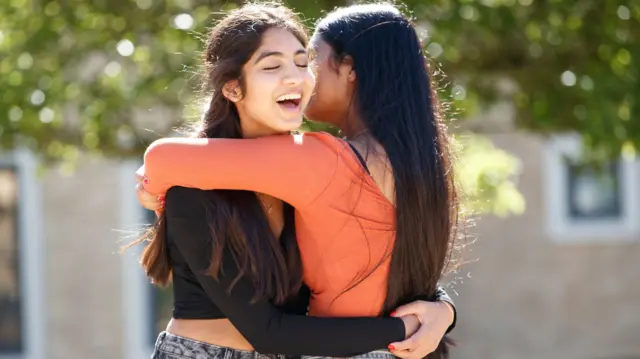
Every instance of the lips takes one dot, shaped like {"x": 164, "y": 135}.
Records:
{"x": 290, "y": 100}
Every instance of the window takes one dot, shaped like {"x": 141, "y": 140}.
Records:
{"x": 11, "y": 340}
{"x": 22, "y": 329}
{"x": 593, "y": 193}
{"x": 588, "y": 203}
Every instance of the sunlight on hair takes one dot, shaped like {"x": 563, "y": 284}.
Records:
{"x": 206, "y": 103}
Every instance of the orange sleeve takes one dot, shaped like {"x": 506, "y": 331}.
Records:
{"x": 294, "y": 168}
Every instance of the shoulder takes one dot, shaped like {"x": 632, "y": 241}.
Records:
{"x": 316, "y": 143}
{"x": 185, "y": 202}
{"x": 321, "y": 137}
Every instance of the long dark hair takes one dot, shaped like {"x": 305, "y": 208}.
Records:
{"x": 236, "y": 218}
{"x": 397, "y": 103}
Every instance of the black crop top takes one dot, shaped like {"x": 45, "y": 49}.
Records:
{"x": 269, "y": 328}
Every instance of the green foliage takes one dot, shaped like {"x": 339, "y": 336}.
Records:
{"x": 487, "y": 177}
{"x": 573, "y": 65}
{"x": 72, "y": 73}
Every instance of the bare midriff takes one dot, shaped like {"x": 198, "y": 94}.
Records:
{"x": 219, "y": 332}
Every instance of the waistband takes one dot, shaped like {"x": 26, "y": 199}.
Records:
{"x": 189, "y": 348}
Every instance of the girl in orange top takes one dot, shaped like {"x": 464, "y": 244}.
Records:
{"x": 375, "y": 216}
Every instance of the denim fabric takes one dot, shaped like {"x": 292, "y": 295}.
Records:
{"x": 169, "y": 346}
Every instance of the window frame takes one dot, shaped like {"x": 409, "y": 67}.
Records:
{"x": 560, "y": 227}
{"x": 31, "y": 254}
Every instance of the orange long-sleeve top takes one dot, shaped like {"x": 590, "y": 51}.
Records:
{"x": 345, "y": 225}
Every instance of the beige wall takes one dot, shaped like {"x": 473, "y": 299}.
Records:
{"x": 529, "y": 296}
{"x": 83, "y": 266}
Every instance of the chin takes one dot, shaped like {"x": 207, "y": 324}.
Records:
{"x": 290, "y": 124}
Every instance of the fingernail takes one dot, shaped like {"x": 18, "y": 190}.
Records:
{"x": 391, "y": 347}
{"x": 161, "y": 198}
{"x": 145, "y": 180}
{"x": 393, "y": 313}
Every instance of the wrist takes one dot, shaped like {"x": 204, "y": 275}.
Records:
{"x": 450, "y": 310}
{"x": 411, "y": 324}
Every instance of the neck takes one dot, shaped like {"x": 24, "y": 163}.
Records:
{"x": 253, "y": 129}
{"x": 353, "y": 126}
{"x": 255, "y": 133}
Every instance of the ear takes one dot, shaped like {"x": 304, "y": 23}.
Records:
{"x": 231, "y": 90}
{"x": 346, "y": 69}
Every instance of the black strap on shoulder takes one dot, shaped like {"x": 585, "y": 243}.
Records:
{"x": 364, "y": 164}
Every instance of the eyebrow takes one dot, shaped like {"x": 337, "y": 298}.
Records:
{"x": 277, "y": 53}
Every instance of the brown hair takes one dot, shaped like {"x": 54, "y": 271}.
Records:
{"x": 236, "y": 218}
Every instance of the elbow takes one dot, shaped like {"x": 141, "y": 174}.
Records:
{"x": 157, "y": 155}
{"x": 156, "y": 150}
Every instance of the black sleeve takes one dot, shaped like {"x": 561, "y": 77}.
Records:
{"x": 442, "y": 296}
{"x": 267, "y": 328}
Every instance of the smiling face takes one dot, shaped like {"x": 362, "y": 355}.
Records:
{"x": 278, "y": 85}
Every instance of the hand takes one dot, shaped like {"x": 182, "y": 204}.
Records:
{"x": 149, "y": 201}
{"x": 146, "y": 199}
{"x": 435, "y": 318}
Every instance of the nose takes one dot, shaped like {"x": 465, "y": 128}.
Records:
{"x": 293, "y": 76}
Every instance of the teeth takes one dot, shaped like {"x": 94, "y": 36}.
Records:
{"x": 291, "y": 96}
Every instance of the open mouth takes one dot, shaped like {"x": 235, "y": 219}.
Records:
{"x": 290, "y": 101}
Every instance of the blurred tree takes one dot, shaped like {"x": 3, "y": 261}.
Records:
{"x": 571, "y": 65}
{"x": 73, "y": 73}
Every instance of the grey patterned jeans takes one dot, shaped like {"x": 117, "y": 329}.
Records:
{"x": 169, "y": 346}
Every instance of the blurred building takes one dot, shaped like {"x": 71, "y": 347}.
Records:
{"x": 559, "y": 282}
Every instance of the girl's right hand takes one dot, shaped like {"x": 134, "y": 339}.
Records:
{"x": 146, "y": 199}
{"x": 149, "y": 201}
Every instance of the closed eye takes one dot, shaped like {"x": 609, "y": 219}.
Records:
{"x": 277, "y": 67}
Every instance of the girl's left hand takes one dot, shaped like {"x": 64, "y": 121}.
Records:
{"x": 435, "y": 318}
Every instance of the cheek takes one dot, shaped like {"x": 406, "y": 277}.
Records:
{"x": 259, "y": 93}
{"x": 326, "y": 86}
{"x": 323, "y": 98}
{"x": 309, "y": 81}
